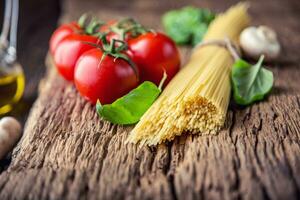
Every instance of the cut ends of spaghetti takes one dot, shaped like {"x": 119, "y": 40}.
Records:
{"x": 196, "y": 115}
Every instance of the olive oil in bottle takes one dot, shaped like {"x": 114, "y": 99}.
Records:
{"x": 12, "y": 83}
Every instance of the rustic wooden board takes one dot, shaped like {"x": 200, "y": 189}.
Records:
{"x": 67, "y": 152}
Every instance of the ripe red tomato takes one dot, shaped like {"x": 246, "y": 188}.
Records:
{"x": 106, "y": 81}
{"x": 68, "y": 52}
{"x": 153, "y": 53}
{"x": 60, "y": 33}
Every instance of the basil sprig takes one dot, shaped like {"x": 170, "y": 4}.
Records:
{"x": 250, "y": 83}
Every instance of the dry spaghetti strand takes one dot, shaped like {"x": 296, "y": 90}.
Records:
{"x": 197, "y": 98}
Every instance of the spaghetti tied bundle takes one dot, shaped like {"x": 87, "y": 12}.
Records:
{"x": 197, "y": 98}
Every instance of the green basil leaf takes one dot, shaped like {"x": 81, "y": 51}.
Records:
{"x": 250, "y": 83}
{"x": 198, "y": 33}
{"x": 131, "y": 107}
{"x": 187, "y": 25}
{"x": 207, "y": 16}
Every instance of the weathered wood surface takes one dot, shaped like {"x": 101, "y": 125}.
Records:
{"x": 68, "y": 153}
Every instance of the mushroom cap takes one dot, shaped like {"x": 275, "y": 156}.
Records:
{"x": 257, "y": 41}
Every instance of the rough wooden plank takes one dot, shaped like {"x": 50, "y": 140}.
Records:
{"x": 68, "y": 153}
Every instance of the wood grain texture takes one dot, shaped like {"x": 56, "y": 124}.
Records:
{"x": 67, "y": 152}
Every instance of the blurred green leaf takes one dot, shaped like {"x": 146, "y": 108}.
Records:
{"x": 187, "y": 25}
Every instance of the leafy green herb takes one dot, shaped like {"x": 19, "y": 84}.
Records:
{"x": 187, "y": 25}
{"x": 250, "y": 83}
{"x": 198, "y": 33}
{"x": 130, "y": 108}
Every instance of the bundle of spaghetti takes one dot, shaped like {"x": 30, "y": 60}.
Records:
{"x": 197, "y": 98}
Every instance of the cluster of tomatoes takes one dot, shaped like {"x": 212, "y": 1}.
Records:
{"x": 107, "y": 60}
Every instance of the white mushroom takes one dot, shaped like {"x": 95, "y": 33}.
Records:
{"x": 257, "y": 41}
{"x": 10, "y": 133}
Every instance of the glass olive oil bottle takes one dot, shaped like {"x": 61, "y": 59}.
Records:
{"x": 12, "y": 79}
{"x": 12, "y": 84}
